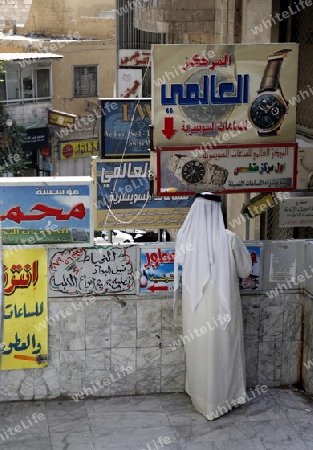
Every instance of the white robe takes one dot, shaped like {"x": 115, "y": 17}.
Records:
{"x": 215, "y": 363}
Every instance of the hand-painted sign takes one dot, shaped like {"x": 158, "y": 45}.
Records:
{"x": 134, "y": 58}
{"x": 224, "y": 93}
{"x": 129, "y": 83}
{"x": 126, "y": 128}
{"x": 25, "y": 336}
{"x": 157, "y": 270}
{"x": 123, "y": 198}
{"x": 36, "y": 211}
{"x": 104, "y": 270}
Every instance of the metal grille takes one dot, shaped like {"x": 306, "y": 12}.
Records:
{"x": 85, "y": 81}
{"x": 304, "y": 36}
{"x": 273, "y": 230}
{"x": 302, "y": 32}
{"x": 131, "y": 38}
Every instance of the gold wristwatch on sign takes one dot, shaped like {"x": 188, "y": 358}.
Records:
{"x": 269, "y": 108}
{"x": 196, "y": 171}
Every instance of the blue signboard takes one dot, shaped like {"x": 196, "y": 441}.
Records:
{"x": 123, "y": 198}
{"x": 125, "y": 127}
{"x": 40, "y": 210}
{"x": 157, "y": 270}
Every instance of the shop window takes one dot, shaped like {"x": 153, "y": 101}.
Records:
{"x": 25, "y": 84}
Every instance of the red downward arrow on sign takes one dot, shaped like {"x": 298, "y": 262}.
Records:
{"x": 169, "y": 131}
{"x": 157, "y": 288}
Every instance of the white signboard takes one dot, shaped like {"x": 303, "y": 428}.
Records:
{"x": 103, "y": 270}
{"x": 219, "y": 94}
{"x": 129, "y": 83}
{"x": 296, "y": 212}
{"x": 225, "y": 169}
{"x": 134, "y": 58}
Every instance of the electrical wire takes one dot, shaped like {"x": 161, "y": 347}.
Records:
{"x": 110, "y": 212}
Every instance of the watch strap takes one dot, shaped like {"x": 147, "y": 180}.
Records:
{"x": 269, "y": 133}
{"x": 270, "y": 79}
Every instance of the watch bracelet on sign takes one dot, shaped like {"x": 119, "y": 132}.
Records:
{"x": 270, "y": 84}
{"x": 214, "y": 174}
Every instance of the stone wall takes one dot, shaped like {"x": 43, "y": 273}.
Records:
{"x": 187, "y": 22}
{"x": 14, "y": 11}
{"x": 58, "y": 17}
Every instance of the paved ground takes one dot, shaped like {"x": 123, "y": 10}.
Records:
{"x": 279, "y": 419}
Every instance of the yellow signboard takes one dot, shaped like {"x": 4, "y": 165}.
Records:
{"x": 61, "y": 119}
{"x": 79, "y": 149}
{"x": 25, "y": 329}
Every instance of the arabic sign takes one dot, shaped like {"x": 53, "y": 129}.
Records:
{"x": 60, "y": 119}
{"x": 123, "y": 198}
{"x": 36, "y": 211}
{"x": 254, "y": 281}
{"x": 25, "y": 310}
{"x": 232, "y": 168}
{"x": 296, "y": 212}
{"x": 126, "y": 129}
{"x": 36, "y": 138}
{"x": 260, "y": 204}
{"x": 104, "y": 270}
{"x": 217, "y": 93}
{"x": 129, "y": 83}
{"x": 79, "y": 149}
{"x": 157, "y": 270}
{"x": 134, "y": 58}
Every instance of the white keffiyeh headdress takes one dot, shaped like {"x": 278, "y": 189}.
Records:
{"x": 202, "y": 250}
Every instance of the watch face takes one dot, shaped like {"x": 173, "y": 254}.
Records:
{"x": 267, "y": 111}
{"x": 204, "y": 114}
{"x": 193, "y": 172}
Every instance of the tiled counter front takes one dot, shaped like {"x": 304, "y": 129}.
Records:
{"x": 126, "y": 346}
{"x": 93, "y": 347}
{"x": 273, "y": 339}
{"x": 307, "y": 359}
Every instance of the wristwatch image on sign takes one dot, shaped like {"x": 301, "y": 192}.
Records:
{"x": 269, "y": 108}
{"x": 196, "y": 172}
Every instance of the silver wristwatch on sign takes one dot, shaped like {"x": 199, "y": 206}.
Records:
{"x": 197, "y": 171}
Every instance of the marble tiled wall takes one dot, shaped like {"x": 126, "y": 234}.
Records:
{"x": 273, "y": 339}
{"x": 307, "y": 358}
{"x": 95, "y": 343}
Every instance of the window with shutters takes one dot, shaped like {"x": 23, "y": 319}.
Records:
{"x": 85, "y": 81}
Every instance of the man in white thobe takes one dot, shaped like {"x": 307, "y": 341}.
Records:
{"x": 211, "y": 307}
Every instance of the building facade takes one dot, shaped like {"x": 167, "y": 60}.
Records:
{"x": 252, "y": 22}
{"x": 84, "y": 37}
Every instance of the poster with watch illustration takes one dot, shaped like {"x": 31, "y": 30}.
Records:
{"x": 225, "y": 169}
{"x": 215, "y": 94}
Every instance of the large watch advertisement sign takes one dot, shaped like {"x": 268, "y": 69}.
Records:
{"x": 224, "y": 94}
{"x": 225, "y": 169}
